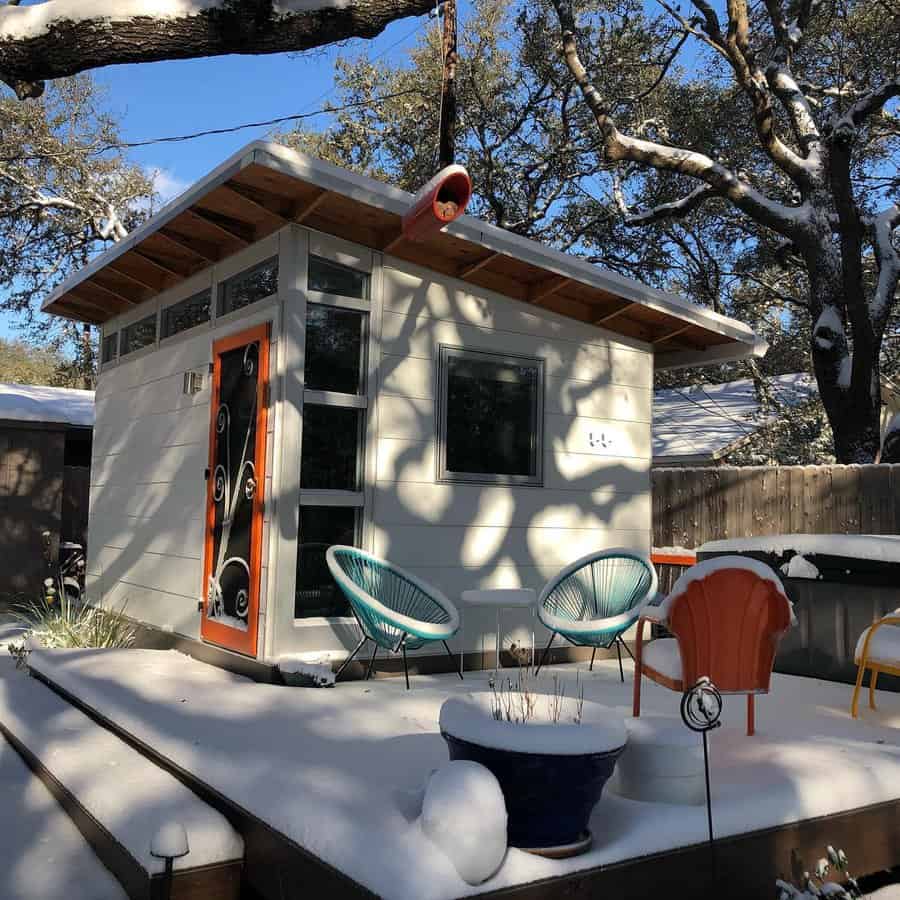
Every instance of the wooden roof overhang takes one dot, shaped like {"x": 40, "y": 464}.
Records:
{"x": 266, "y": 186}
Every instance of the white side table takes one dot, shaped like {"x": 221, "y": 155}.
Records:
{"x": 503, "y": 598}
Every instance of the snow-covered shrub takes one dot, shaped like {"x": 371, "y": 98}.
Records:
{"x": 57, "y": 620}
{"x": 306, "y": 669}
{"x": 816, "y": 886}
{"x": 464, "y": 815}
{"x": 517, "y": 701}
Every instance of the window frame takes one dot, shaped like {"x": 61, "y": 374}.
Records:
{"x": 447, "y": 476}
{"x": 335, "y": 264}
{"x": 222, "y": 280}
{"x": 363, "y": 401}
{"x": 139, "y": 320}
{"x": 190, "y": 295}
{"x": 104, "y": 337}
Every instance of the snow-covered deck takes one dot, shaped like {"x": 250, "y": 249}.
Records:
{"x": 336, "y": 771}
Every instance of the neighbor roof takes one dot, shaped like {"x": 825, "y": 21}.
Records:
{"x": 48, "y": 405}
{"x": 266, "y": 186}
{"x": 703, "y": 422}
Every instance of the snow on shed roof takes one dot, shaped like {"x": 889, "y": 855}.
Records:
{"x": 265, "y": 186}
{"x": 53, "y": 405}
{"x": 702, "y": 422}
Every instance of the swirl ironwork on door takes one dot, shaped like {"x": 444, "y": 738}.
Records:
{"x": 234, "y": 486}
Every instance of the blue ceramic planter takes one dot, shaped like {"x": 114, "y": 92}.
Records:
{"x": 549, "y": 797}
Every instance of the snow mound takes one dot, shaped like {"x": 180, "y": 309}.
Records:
{"x": 464, "y": 815}
{"x": 880, "y": 548}
{"x": 799, "y": 567}
{"x": 306, "y": 669}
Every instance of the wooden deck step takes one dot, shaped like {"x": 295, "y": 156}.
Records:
{"x": 118, "y": 798}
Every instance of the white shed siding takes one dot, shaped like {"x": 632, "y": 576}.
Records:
{"x": 596, "y": 491}
{"x": 151, "y": 446}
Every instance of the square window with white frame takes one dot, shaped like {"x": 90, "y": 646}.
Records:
{"x": 490, "y": 417}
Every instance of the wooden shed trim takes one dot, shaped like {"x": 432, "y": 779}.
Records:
{"x": 266, "y": 186}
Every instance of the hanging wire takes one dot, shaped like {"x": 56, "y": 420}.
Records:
{"x": 268, "y": 123}
{"x": 334, "y": 87}
{"x": 173, "y": 139}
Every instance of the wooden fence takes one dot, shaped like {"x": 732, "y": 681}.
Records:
{"x": 695, "y": 505}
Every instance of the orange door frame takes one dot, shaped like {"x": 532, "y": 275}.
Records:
{"x": 215, "y": 632}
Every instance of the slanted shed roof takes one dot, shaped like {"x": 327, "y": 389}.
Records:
{"x": 47, "y": 405}
{"x": 701, "y": 423}
{"x": 266, "y": 186}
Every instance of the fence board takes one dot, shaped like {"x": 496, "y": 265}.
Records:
{"x": 692, "y": 506}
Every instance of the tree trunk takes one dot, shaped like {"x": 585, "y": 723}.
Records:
{"x": 849, "y": 383}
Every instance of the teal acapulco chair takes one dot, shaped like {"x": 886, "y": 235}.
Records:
{"x": 394, "y": 609}
{"x": 596, "y": 599}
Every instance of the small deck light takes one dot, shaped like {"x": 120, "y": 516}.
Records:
{"x": 169, "y": 843}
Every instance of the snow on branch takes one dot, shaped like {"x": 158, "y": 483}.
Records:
{"x": 677, "y": 209}
{"x": 865, "y": 106}
{"x": 56, "y": 38}
{"x": 623, "y": 147}
{"x": 887, "y": 258}
{"x": 103, "y": 219}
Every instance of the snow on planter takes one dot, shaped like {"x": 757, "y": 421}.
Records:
{"x": 559, "y": 748}
{"x": 469, "y": 718}
{"x": 662, "y": 763}
{"x": 464, "y": 815}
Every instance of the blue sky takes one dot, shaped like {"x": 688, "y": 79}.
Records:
{"x": 180, "y": 97}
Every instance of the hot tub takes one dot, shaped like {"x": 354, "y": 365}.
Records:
{"x": 839, "y": 583}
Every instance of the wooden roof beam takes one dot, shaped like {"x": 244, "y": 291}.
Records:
{"x": 667, "y": 336}
{"x": 70, "y": 310}
{"x": 206, "y": 250}
{"x": 162, "y": 267}
{"x": 95, "y": 285}
{"x": 268, "y": 208}
{"x": 470, "y": 269}
{"x": 395, "y": 241}
{"x": 144, "y": 284}
{"x": 304, "y": 209}
{"x": 235, "y": 231}
{"x": 614, "y": 314}
{"x": 89, "y": 302}
{"x": 540, "y": 291}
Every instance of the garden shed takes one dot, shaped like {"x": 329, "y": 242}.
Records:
{"x": 283, "y": 370}
{"x": 45, "y": 455}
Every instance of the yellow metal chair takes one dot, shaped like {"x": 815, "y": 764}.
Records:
{"x": 878, "y": 649}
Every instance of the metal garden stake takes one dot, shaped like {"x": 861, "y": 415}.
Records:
{"x": 701, "y": 709}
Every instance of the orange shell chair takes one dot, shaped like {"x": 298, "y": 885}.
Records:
{"x": 727, "y": 616}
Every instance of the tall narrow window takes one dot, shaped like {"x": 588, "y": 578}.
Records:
{"x": 334, "y": 349}
{"x": 138, "y": 335}
{"x": 334, "y": 416}
{"x": 321, "y": 527}
{"x": 490, "y": 421}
